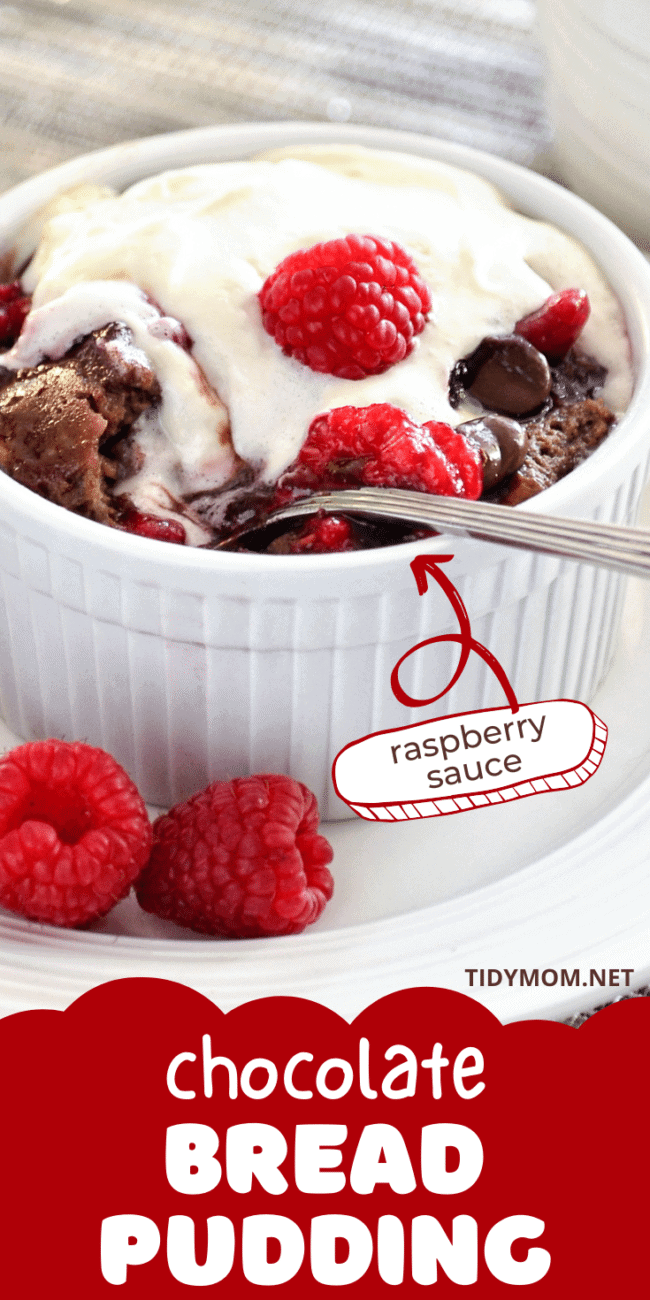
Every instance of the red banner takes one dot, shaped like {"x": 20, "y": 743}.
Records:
{"x": 152, "y": 1142}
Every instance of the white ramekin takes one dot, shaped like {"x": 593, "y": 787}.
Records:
{"x": 190, "y": 665}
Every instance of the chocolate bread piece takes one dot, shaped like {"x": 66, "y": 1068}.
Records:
{"x": 62, "y": 423}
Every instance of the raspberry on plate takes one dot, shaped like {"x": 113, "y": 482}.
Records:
{"x": 556, "y": 325}
{"x": 74, "y": 832}
{"x": 381, "y": 446}
{"x": 241, "y": 859}
{"x": 350, "y": 307}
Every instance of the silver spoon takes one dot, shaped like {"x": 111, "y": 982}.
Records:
{"x": 612, "y": 546}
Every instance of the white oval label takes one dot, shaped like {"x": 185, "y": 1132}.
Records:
{"x": 470, "y": 760}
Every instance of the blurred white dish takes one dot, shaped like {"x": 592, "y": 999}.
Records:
{"x": 598, "y": 56}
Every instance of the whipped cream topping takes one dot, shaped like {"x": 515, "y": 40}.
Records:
{"x": 194, "y": 246}
{"x": 192, "y": 422}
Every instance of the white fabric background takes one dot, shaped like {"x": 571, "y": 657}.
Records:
{"x": 79, "y": 74}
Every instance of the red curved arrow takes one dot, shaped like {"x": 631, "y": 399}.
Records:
{"x": 422, "y": 566}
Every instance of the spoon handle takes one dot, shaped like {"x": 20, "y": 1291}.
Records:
{"x": 612, "y": 546}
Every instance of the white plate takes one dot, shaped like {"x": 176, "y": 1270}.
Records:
{"x": 554, "y": 882}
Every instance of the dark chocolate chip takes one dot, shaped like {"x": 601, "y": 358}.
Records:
{"x": 481, "y": 436}
{"x": 503, "y": 444}
{"x": 507, "y": 375}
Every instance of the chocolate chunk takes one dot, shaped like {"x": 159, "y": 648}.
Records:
{"x": 62, "y": 422}
{"x": 502, "y": 443}
{"x": 504, "y": 374}
{"x": 559, "y": 441}
{"x": 576, "y": 377}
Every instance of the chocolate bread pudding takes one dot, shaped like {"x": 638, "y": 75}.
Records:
{"x": 217, "y": 341}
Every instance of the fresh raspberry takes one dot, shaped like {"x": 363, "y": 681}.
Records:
{"x": 240, "y": 859}
{"x": 350, "y": 307}
{"x": 556, "y": 325}
{"x": 161, "y": 530}
{"x": 14, "y": 307}
{"x": 322, "y": 535}
{"x": 380, "y": 446}
{"x": 74, "y": 832}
